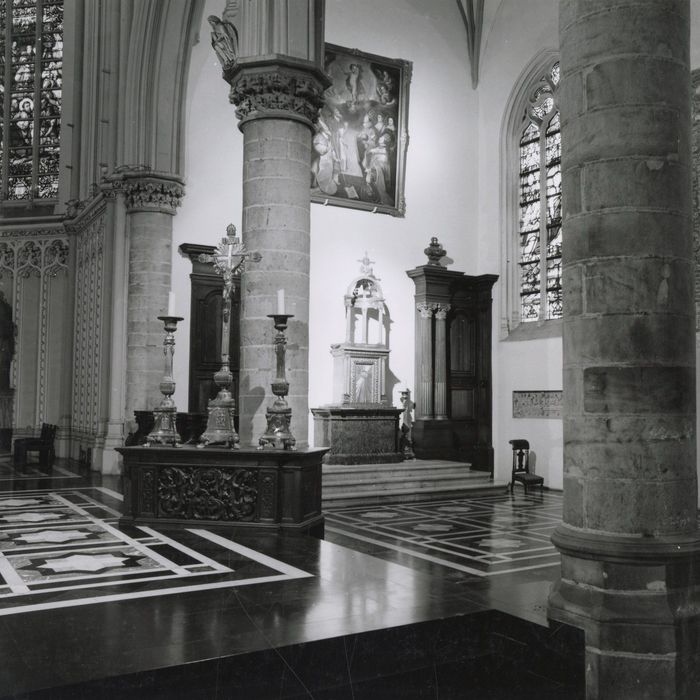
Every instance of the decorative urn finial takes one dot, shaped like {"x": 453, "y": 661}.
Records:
{"x": 435, "y": 252}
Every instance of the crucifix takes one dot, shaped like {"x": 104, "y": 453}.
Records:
{"x": 230, "y": 256}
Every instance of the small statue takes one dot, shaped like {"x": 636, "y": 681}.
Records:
{"x": 435, "y": 252}
{"x": 224, "y": 40}
{"x": 406, "y": 440}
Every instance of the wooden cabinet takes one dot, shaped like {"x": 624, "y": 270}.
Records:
{"x": 453, "y": 366}
{"x": 205, "y": 329}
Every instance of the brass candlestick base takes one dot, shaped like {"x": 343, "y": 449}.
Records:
{"x": 220, "y": 426}
{"x": 164, "y": 430}
{"x": 278, "y": 436}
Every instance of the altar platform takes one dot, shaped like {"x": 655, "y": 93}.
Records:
{"x": 90, "y": 608}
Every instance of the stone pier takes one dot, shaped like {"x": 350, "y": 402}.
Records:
{"x": 275, "y": 72}
{"x": 629, "y": 538}
{"x": 151, "y": 201}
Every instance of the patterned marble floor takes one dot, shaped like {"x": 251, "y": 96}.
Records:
{"x": 482, "y": 536}
{"x": 98, "y": 610}
{"x": 8, "y": 473}
{"x": 65, "y": 543}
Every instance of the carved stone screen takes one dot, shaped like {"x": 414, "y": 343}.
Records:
{"x": 537, "y": 404}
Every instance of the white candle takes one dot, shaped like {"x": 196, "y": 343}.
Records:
{"x": 171, "y": 303}
{"x": 280, "y": 301}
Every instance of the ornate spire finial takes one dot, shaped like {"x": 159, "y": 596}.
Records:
{"x": 435, "y": 252}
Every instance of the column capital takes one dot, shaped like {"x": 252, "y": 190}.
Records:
{"x": 441, "y": 311}
{"x": 276, "y": 88}
{"x": 425, "y": 309}
{"x": 145, "y": 189}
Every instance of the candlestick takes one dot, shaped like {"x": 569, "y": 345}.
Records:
{"x": 164, "y": 430}
{"x": 279, "y": 414}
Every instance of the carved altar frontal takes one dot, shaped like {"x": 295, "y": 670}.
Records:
{"x": 537, "y": 404}
{"x": 245, "y": 488}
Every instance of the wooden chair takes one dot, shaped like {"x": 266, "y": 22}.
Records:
{"x": 521, "y": 466}
{"x": 44, "y": 445}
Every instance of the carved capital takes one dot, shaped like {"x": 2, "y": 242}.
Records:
{"x": 145, "y": 189}
{"x": 441, "y": 311}
{"x": 153, "y": 194}
{"x": 425, "y": 310}
{"x": 277, "y": 89}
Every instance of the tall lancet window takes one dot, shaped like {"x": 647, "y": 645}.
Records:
{"x": 540, "y": 231}
{"x": 32, "y": 63}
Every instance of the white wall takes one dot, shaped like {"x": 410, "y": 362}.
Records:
{"x": 453, "y": 191}
{"x": 440, "y": 179}
{"x": 512, "y": 38}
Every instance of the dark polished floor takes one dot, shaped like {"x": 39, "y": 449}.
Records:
{"x": 428, "y": 600}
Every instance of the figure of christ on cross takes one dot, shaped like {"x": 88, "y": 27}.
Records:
{"x": 229, "y": 257}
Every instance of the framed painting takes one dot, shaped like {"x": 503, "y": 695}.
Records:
{"x": 359, "y": 148}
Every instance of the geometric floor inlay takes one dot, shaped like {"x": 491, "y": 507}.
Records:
{"x": 31, "y": 471}
{"x": 480, "y": 535}
{"x": 63, "y": 547}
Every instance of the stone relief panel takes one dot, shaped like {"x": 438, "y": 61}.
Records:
{"x": 87, "y": 333}
{"x": 695, "y": 177}
{"x": 34, "y": 271}
{"x": 537, "y": 404}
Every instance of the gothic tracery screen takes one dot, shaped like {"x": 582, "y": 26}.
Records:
{"x": 540, "y": 231}
{"x": 31, "y": 54}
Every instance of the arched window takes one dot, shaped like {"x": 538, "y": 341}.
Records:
{"x": 539, "y": 197}
{"x": 31, "y": 55}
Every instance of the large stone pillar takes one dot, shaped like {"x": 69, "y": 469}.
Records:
{"x": 629, "y": 538}
{"x": 151, "y": 200}
{"x": 277, "y": 83}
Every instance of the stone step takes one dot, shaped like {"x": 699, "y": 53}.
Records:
{"x": 408, "y": 464}
{"x": 340, "y": 498}
{"x": 391, "y": 471}
{"x": 424, "y": 480}
{"x": 402, "y": 482}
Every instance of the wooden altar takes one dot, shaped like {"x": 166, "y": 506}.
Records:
{"x": 191, "y": 487}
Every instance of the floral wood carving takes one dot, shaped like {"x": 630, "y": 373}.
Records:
{"x": 196, "y": 493}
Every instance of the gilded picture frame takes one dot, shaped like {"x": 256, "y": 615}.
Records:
{"x": 361, "y": 138}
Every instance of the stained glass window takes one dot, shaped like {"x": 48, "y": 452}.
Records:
{"x": 540, "y": 204}
{"x": 31, "y": 56}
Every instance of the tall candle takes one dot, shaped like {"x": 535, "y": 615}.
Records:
{"x": 280, "y": 301}
{"x": 171, "y": 303}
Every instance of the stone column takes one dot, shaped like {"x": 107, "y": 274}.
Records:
{"x": 151, "y": 200}
{"x": 441, "y": 361}
{"x": 274, "y": 68}
{"x": 424, "y": 365}
{"x": 629, "y": 539}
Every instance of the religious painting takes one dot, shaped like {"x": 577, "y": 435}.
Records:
{"x": 359, "y": 148}
{"x": 365, "y": 388}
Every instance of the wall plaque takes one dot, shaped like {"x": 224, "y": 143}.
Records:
{"x": 537, "y": 404}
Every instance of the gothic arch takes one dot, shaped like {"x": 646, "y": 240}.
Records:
{"x": 509, "y": 140}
